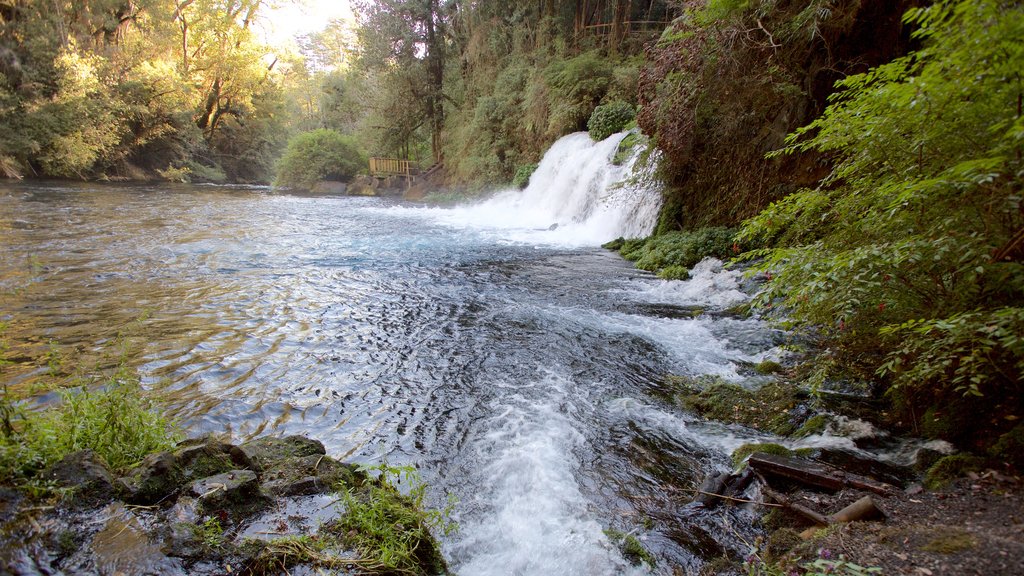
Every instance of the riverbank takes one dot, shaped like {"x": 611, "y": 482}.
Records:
{"x": 268, "y": 506}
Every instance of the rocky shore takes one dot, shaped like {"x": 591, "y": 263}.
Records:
{"x": 210, "y": 507}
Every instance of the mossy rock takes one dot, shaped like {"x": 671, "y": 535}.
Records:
{"x": 313, "y": 474}
{"x": 1009, "y": 448}
{"x": 767, "y": 367}
{"x": 386, "y": 515}
{"x": 740, "y": 454}
{"x": 154, "y": 480}
{"x": 631, "y": 548}
{"x": 202, "y": 457}
{"x": 777, "y": 407}
{"x": 267, "y": 452}
{"x": 950, "y": 468}
{"x": 814, "y": 425}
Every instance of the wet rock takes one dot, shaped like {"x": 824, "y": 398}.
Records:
{"x": 9, "y": 501}
{"x": 310, "y": 475}
{"x": 234, "y": 488}
{"x": 122, "y": 546}
{"x": 204, "y": 457}
{"x": 151, "y": 482}
{"x": 266, "y": 453}
{"x": 925, "y": 458}
{"x": 87, "y": 474}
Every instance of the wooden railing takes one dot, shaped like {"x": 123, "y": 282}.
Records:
{"x": 384, "y": 167}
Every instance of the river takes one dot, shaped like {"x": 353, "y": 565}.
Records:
{"x": 517, "y": 367}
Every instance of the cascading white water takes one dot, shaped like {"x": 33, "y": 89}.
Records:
{"x": 578, "y": 188}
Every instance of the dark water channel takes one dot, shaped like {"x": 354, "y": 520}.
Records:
{"x": 519, "y": 375}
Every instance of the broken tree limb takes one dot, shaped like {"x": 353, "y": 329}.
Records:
{"x": 814, "y": 474}
{"x": 800, "y": 509}
{"x": 864, "y": 509}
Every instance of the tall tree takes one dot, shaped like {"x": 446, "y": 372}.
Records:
{"x": 406, "y": 39}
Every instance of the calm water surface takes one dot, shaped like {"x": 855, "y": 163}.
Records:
{"x": 517, "y": 369}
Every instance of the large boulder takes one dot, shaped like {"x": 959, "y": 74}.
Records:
{"x": 237, "y": 488}
{"x": 202, "y": 457}
{"x": 304, "y": 475}
{"x": 153, "y": 481}
{"x": 86, "y": 474}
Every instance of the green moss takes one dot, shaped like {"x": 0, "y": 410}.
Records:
{"x": 768, "y": 367}
{"x": 770, "y": 408}
{"x": 625, "y": 149}
{"x": 740, "y": 454}
{"x": 392, "y": 529}
{"x": 951, "y": 541}
{"x": 615, "y": 245}
{"x": 739, "y": 311}
{"x": 948, "y": 469}
{"x": 631, "y": 547}
{"x": 814, "y": 425}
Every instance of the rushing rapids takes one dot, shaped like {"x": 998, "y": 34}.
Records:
{"x": 517, "y": 366}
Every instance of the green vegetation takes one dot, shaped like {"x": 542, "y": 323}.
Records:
{"x": 953, "y": 467}
{"x": 372, "y": 514}
{"x": 740, "y": 455}
{"x": 116, "y": 421}
{"x": 910, "y": 250}
{"x": 522, "y": 176}
{"x": 609, "y": 119}
{"x": 668, "y": 252}
{"x": 773, "y": 407}
{"x": 318, "y": 155}
{"x": 631, "y": 547}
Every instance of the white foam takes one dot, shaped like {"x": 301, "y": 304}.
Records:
{"x": 710, "y": 284}
{"x": 539, "y": 521}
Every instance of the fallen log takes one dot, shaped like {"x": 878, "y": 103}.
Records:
{"x": 814, "y": 474}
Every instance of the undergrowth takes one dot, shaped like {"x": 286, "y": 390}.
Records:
{"x": 372, "y": 515}
{"x": 671, "y": 254}
{"x": 115, "y": 420}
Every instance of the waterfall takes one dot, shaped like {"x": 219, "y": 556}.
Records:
{"x": 576, "y": 197}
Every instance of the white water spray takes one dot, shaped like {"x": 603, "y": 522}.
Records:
{"x": 576, "y": 197}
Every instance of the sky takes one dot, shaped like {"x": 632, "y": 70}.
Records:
{"x": 281, "y": 24}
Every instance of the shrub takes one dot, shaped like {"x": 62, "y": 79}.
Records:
{"x": 610, "y": 118}
{"x": 318, "y": 155}
{"x": 522, "y": 178}
{"x": 912, "y": 245}
{"x": 575, "y": 86}
{"x": 679, "y": 249}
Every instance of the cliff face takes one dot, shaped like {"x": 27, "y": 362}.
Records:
{"x": 727, "y": 82}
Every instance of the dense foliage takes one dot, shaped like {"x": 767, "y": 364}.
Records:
{"x": 911, "y": 250}
{"x": 133, "y": 90}
{"x": 514, "y": 77}
{"x": 729, "y": 79}
{"x": 318, "y": 155}
{"x": 609, "y": 119}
